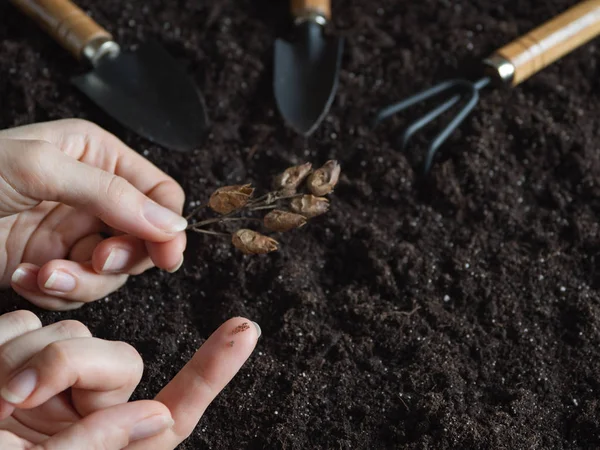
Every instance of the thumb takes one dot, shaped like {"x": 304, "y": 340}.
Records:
{"x": 40, "y": 171}
{"x": 113, "y": 428}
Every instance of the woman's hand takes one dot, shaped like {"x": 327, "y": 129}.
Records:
{"x": 60, "y": 388}
{"x": 80, "y": 211}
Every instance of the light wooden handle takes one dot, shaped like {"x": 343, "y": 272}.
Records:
{"x": 302, "y": 8}
{"x": 541, "y": 47}
{"x": 65, "y": 22}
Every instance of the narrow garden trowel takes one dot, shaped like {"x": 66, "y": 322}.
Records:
{"x": 145, "y": 90}
{"x": 306, "y": 69}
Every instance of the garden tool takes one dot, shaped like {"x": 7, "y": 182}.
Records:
{"x": 510, "y": 65}
{"x": 145, "y": 90}
{"x": 306, "y": 69}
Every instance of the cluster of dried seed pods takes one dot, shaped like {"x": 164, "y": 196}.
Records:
{"x": 288, "y": 207}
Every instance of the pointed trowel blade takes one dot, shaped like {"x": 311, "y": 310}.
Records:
{"x": 306, "y": 77}
{"x": 147, "y": 91}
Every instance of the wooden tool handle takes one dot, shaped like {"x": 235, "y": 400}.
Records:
{"x": 301, "y": 8}
{"x": 65, "y": 22}
{"x": 539, "y": 48}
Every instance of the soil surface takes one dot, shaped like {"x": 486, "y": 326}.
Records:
{"x": 460, "y": 312}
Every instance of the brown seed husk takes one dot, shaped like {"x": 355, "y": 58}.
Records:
{"x": 291, "y": 178}
{"x": 323, "y": 180}
{"x": 309, "y": 206}
{"x": 282, "y": 221}
{"x": 251, "y": 242}
{"x": 230, "y": 198}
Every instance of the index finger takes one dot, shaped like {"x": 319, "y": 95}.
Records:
{"x": 95, "y": 146}
{"x": 193, "y": 389}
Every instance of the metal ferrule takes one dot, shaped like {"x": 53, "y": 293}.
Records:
{"x": 99, "y": 48}
{"x": 310, "y": 15}
{"x": 501, "y": 68}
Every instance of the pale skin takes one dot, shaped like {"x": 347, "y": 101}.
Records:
{"x": 63, "y": 389}
{"x": 79, "y": 213}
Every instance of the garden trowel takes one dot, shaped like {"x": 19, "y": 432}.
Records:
{"x": 145, "y": 90}
{"x": 306, "y": 69}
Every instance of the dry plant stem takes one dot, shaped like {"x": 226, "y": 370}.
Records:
{"x": 195, "y": 211}
{"x": 214, "y": 233}
{"x": 264, "y": 202}
{"x": 270, "y": 198}
{"x": 221, "y": 220}
{"x": 260, "y": 208}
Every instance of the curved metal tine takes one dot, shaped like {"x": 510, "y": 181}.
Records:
{"x": 413, "y": 99}
{"x": 426, "y": 119}
{"x": 453, "y": 125}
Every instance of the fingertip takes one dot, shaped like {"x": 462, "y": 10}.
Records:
{"x": 118, "y": 255}
{"x": 26, "y": 281}
{"x": 168, "y": 255}
{"x": 25, "y": 277}
{"x": 55, "y": 278}
{"x": 238, "y": 331}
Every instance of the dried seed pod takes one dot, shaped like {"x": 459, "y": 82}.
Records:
{"x": 323, "y": 180}
{"x": 310, "y": 206}
{"x": 229, "y": 198}
{"x": 251, "y": 242}
{"x": 289, "y": 180}
{"x": 283, "y": 221}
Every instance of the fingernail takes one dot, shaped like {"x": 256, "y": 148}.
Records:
{"x": 117, "y": 260}
{"x": 164, "y": 219}
{"x": 258, "y": 330}
{"x": 177, "y": 267}
{"x": 151, "y": 426}
{"x": 20, "y": 387}
{"x": 25, "y": 278}
{"x": 60, "y": 281}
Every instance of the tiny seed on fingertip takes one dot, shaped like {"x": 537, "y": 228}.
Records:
{"x": 231, "y": 343}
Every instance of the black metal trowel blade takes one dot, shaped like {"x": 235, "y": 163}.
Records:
{"x": 306, "y": 77}
{"x": 147, "y": 91}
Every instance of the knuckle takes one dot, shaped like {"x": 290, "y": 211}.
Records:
{"x": 23, "y": 321}
{"x": 56, "y": 355}
{"x": 8, "y": 359}
{"x": 30, "y": 165}
{"x": 199, "y": 370}
{"x": 116, "y": 187}
{"x": 72, "y": 329}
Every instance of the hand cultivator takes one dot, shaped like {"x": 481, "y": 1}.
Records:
{"x": 512, "y": 64}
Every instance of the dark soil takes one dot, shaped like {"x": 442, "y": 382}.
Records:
{"x": 498, "y": 251}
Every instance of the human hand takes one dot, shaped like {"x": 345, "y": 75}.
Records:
{"x": 62, "y": 389}
{"x": 64, "y": 187}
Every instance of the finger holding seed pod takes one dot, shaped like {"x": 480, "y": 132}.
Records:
{"x": 323, "y": 180}
{"x": 230, "y": 198}
{"x": 291, "y": 178}
{"x": 283, "y": 221}
{"x": 310, "y": 206}
{"x": 251, "y": 242}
